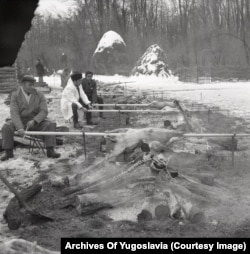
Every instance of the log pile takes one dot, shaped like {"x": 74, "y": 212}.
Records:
{"x": 8, "y": 79}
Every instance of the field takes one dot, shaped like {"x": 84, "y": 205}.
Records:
{"x": 227, "y": 215}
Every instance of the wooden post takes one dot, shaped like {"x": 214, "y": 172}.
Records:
{"x": 233, "y": 141}
{"x": 119, "y": 116}
{"x": 78, "y": 133}
{"x": 138, "y": 110}
{"x": 127, "y": 119}
{"x": 115, "y": 105}
{"x": 208, "y": 114}
{"x": 84, "y": 144}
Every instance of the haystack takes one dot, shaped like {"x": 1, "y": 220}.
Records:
{"x": 109, "y": 57}
{"x": 152, "y": 62}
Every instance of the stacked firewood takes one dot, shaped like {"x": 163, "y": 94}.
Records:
{"x": 8, "y": 79}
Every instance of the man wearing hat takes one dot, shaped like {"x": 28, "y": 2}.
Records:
{"x": 72, "y": 96}
{"x": 28, "y": 110}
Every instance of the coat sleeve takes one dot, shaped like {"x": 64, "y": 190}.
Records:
{"x": 69, "y": 95}
{"x": 94, "y": 93}
{"x": 43, "y": 110}
{"x": 83, "y": 96}
{"x": 15, "y": 113}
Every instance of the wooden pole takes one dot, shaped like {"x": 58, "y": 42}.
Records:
{"x": 233, "y": 141}
{"x": 111, "y": 94}
{"x": 185, "y": 116}
{"x": 78, "y": 133}
{"x": 127, "y": 110}
{"x": 218, "y": 135}
{"x": 194, "y": 109}
{"x": 72, "y": 133}
{"x": 114, "y": 105}
{"x": 208, "y": 115}
{"x": 139, "y": 110}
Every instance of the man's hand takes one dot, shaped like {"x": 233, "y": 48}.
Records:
{"x": 30, "y": 124}
{"x": 90, "y": 106}
{"x": 83, "y": 109}
{"x": 21, "y": 132}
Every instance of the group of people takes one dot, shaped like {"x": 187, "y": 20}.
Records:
{"x": 79, "y": 94}
{"x": 28, "y": 110}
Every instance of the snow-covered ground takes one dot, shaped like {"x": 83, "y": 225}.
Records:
{"x": 231, "y": 96}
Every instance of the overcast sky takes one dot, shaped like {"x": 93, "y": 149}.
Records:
{"x": 56, "y": 7}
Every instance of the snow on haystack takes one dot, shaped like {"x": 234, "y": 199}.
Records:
{"x": 109, "y": 56}
{"x": 153, "y": 62}
{"x": 110, "y": 40}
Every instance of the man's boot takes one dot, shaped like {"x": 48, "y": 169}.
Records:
{"x": 51, "y": 153}
{"x": 101, "y": 116}
{"x": 8, "y": 155}
{"x": 77, "y": 126}
{"x": 91, "y": 123}
{"x": 88, "y": 118}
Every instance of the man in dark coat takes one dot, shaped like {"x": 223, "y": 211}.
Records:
{"x": 89, "y": 87}
{"x": 40, "y": 70}
{"x": 28, "y": 110}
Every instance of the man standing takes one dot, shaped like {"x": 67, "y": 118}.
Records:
{"x": 89, "y": 87}
{"x": 28, "y": 110}
{"x": 40, "y": 70}
{"x": 72, "y": 98}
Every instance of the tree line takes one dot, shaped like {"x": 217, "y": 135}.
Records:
{"x": 192, "y": 32}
